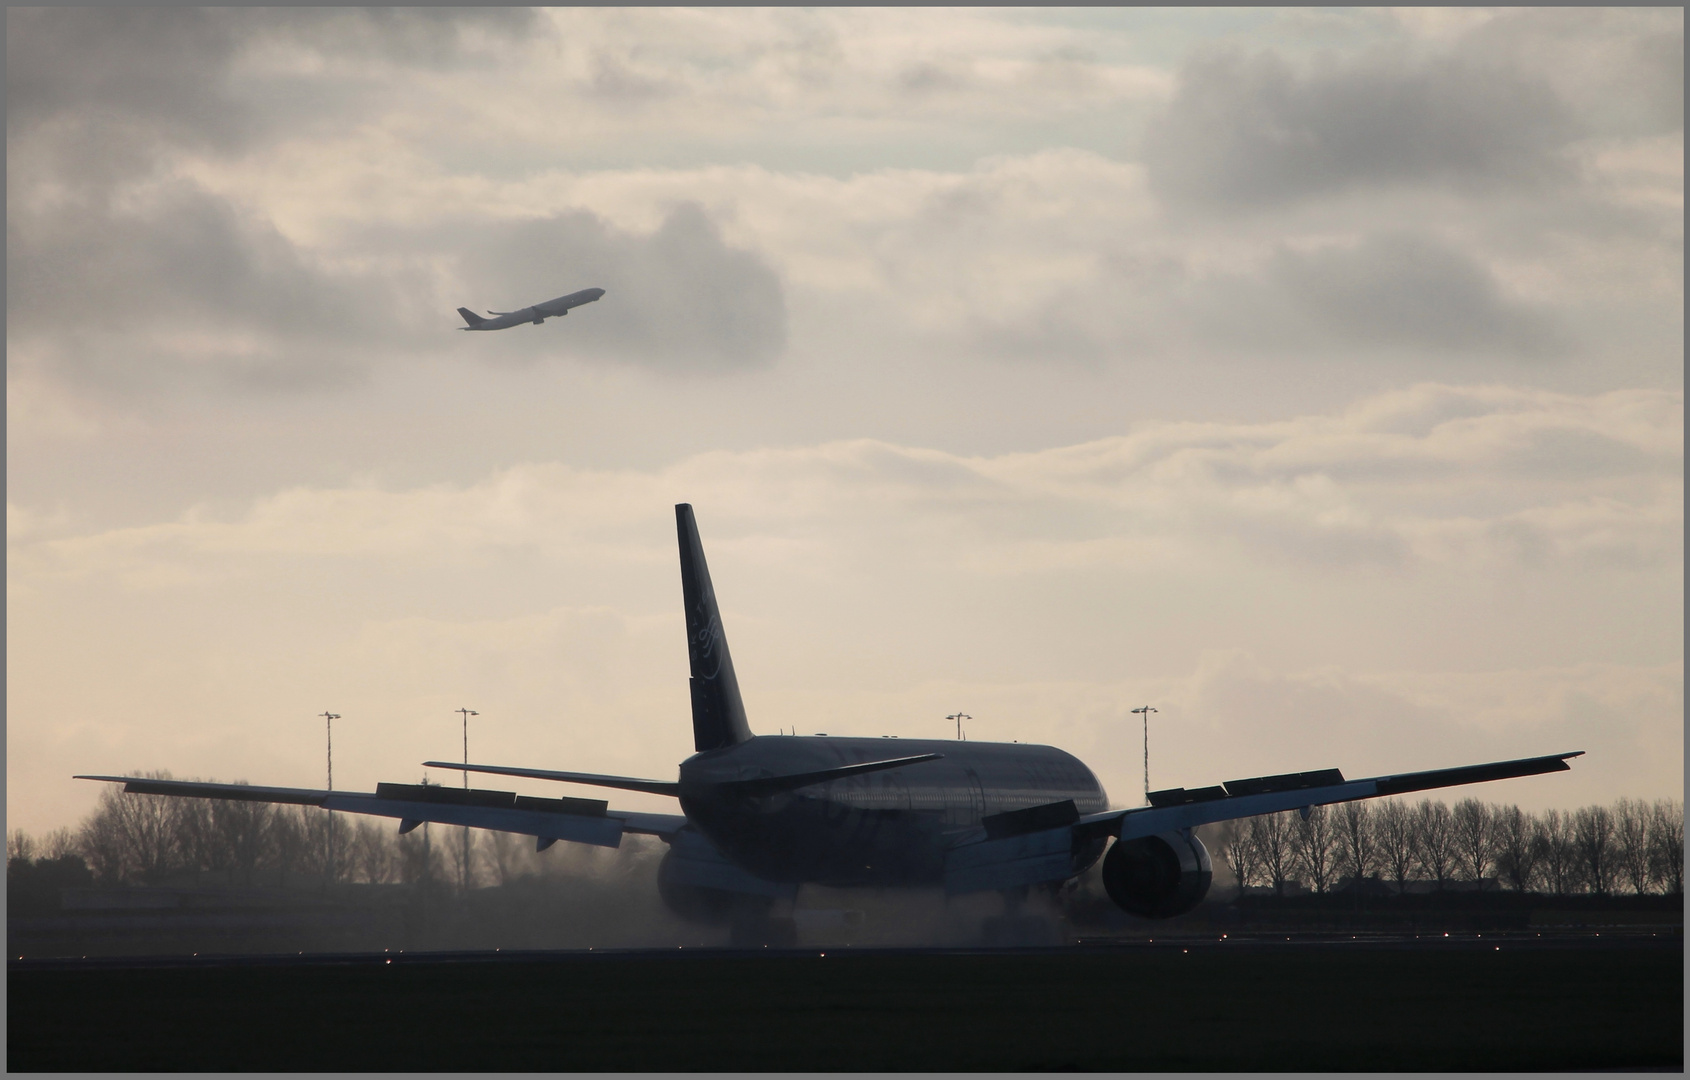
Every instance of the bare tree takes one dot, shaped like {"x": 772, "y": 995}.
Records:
{"x": 1558, "y": 853}
{"x": 1516, "y": 854}
{"x": 326, "y": 849}
{"x": 1359, "y": 851}
{"x": 1666, "y": 845}
{"x": 130, "y": 837}
{"x": 19, "y": 845}
{"x": 287, "y": 842}
{"x": 1474, "y": 839}
{"x": 1631, "y": 843}
{"x": 1593, "y": 831}
{"x": 1394, "y": 830}
{"x": 416, "y": 863}
{"x": 1434, "y": 840}
{"x": 1314, "y": 846}
{"x": 506, "y": 854}
{"x": 1270, "y": 835}
{"x": 375, "y": 852}
{"x": 57, "y": 844}
{"x": 244, "y": 836}
{"x": 100, "y": 842}
{"x": 197, "y": 845}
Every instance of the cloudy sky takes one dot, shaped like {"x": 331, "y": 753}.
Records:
{"x": 1315, "y": 377}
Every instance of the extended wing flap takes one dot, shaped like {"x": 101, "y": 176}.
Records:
{"x": 599, "y": 830}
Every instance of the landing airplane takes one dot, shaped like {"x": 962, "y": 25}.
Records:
{"x": 761, "y": 815}
{"x": 536, "y": 314}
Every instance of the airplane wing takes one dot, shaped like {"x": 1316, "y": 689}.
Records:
{"x": 582, "y": 821}
{"x": 1029, "y": 846}
{"x": 1178, "y": 808}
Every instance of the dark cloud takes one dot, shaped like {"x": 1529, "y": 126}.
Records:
{"x": 95, "y": 95}
{"x": 1248, "y": 131}
{"x": 616, "y": 82}
{"x": 101, "y": 92}
{"x": 1620, "y": 71}
{"x": 1396, "y": 290}
{"x": 433, "y": 37}
{"x": 108, "y": 285}
{"x": 1387, "y": 293}
{"x": 678, "y": 298}
{"x": 165, "y": 62}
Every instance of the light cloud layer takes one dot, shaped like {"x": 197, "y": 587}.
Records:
{"x": 867, "y": 581}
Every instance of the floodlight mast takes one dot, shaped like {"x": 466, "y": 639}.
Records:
{"x": 1145, "y": 711}
{"x": 463, "y": 871}
{"x": 328, "y": 721}
{"x": 959, "y": 717}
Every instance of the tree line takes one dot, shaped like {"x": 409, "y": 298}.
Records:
{"x": 151, "y": 839}
{"x": 1629, "y": 846}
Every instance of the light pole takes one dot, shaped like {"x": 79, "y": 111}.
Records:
{"x": 328, "y": 723}
{"x": 463, "y": 871}
{"x": 1145, "y": 711}
{"x": 959, "y": 717}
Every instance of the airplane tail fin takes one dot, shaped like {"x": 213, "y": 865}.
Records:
{"x": 471, "y": 317}
{"x": 718, "y": 714}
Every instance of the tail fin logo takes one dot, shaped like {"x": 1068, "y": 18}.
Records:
{"x": 709, "y": 640}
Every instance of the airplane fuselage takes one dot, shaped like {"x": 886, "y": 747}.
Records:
{"x": 534, "y": 313}
{"x": 883, "y": 828}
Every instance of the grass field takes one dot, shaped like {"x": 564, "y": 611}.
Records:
{"x": 1491, "y": 1003}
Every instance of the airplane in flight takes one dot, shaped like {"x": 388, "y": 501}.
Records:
{"x": 761, "y": 815}
{"x": 536, "y": 314}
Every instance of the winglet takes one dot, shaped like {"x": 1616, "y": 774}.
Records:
{"x": 718, "y": 714}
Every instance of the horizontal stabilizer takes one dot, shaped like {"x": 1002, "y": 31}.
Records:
{"x": 623, "y": 783}
{"x": 774, "y": 785}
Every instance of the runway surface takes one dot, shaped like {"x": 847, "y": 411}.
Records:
{"x": 1361, "y": 1002}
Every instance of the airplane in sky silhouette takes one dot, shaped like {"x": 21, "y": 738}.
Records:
{"x": 535, "y": 313}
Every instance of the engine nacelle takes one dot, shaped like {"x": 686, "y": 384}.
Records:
{"x": 1158, "y": 877}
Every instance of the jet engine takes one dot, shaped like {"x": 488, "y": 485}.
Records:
{"x": 1158, "y": 877}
